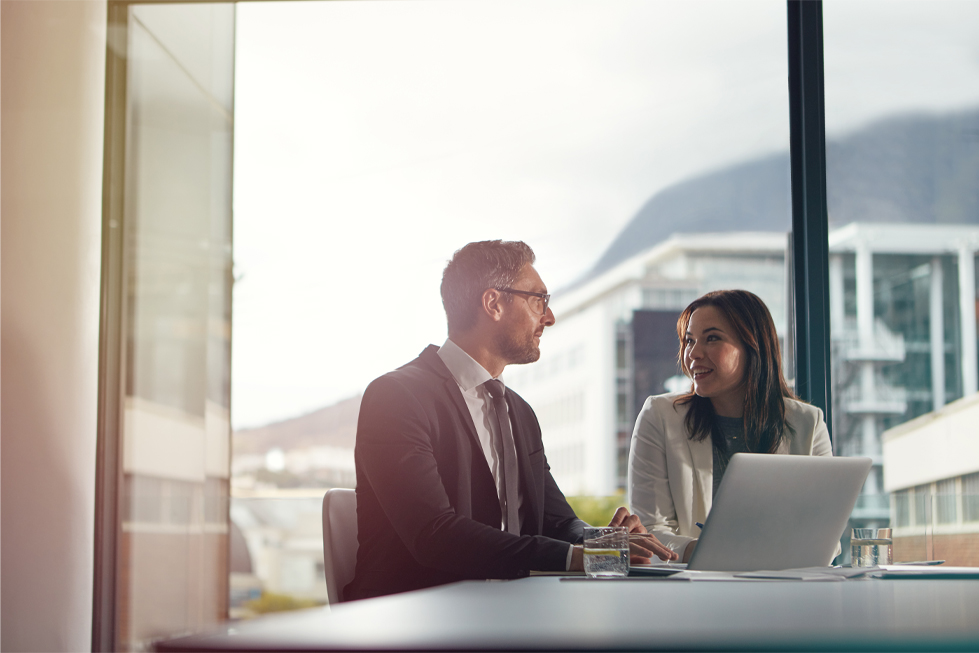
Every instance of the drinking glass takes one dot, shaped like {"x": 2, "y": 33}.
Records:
{"x": 871, "y": 547}
{"x": 606, "y": 551}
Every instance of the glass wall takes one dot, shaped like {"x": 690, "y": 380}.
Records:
{"x": 902, "y": 122}
{"x": 176, "y": 173}
{"x": 641, "y": 148}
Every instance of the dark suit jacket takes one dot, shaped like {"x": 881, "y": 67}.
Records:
{"x": 427, "y": 506}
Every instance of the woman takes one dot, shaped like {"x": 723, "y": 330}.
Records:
{"x": 739, "y": 402}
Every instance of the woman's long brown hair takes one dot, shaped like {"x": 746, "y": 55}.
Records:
{"x": 764, "y": 402}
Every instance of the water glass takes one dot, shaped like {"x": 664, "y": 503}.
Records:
{"x": 606, "y": 551}
{"x": 871, "y": 547}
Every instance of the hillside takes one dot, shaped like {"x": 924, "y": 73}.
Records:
{"x": 334, "y": 426}
{"x": 912, "y": 168}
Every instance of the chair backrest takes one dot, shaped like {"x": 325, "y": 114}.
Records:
{"x": 339, "y": 540}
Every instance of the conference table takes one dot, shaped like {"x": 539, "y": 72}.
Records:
{"x": 629, "y": 614}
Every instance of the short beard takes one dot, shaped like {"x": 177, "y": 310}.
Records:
{"x": 516, "y": 352}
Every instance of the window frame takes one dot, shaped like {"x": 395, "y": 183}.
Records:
{"x": 810, "y": 219}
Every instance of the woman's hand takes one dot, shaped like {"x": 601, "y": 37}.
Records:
{"x": 622, "y": 517}
{"x": 642, "y": 545}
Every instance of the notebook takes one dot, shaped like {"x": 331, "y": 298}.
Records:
{"x": 779, "y": 512}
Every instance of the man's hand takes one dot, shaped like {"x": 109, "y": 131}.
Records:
{"x": 642, "y": 545}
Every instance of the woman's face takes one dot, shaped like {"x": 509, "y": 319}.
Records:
{"x": 716, "y": 359}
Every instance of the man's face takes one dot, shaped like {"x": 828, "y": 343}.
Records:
{"x": 523, "y": 323}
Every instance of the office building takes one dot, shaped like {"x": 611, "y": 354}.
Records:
{"x": 903, "y": 317}
{"x": 903, "y": 309}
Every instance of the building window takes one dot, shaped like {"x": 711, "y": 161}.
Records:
{"x": 621, "y": 354}
{"x": 970, "y": 497}
{"x": 945, "y": 502}
{"x": 902, "y": 508}
{"x": 922, "y": 505}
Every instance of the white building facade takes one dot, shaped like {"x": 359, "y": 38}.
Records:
{"x": 903, "y": 325}
{"x": 931, "y": 469}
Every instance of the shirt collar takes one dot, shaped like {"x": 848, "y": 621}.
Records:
{"x": 465, "y": 370}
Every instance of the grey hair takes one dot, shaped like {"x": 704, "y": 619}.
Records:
{"x": 473, "y": 270}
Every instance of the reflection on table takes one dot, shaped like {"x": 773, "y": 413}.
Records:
{"x": 548, "y": 613}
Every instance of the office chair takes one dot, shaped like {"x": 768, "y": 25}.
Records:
{"x": 339, "y": 540}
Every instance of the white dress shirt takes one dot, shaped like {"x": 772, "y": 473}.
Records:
{"x": 470, "y": 377}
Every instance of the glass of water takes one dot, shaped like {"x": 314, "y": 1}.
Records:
{"x": 606, "y": 551}
{"x": 871, "y": 547}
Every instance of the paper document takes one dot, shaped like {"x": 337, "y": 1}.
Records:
{"x": 807, "y": 573}
{"x": 918, "y": 571}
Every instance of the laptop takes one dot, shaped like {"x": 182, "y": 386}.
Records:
{"x": 779, "y": 512}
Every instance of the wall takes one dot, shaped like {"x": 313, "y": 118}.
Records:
{"x": 941, "y": 444}
{"x": 53, "y": 69}
{"x": 956, "y": 549}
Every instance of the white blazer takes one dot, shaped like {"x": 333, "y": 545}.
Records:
{"x": 671, "y": 478}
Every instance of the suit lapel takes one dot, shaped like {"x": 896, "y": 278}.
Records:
{"x": 528, "y": 484}
{"x": 431, "y": 358}
{"x": 465, "y": 416}
{"x": 702, "y": 457}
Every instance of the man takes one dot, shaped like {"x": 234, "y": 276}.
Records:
{"x": 452, "y": 482}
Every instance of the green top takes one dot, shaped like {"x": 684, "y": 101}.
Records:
{"x": 732, "y": 428}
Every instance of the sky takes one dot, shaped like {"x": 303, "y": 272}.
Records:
{"x": 373, "y": 139}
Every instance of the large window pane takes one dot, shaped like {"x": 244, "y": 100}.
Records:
{"x": 902, "y": 122}
{"x": 173, "y": 547}
{"x": 640, "y": 147}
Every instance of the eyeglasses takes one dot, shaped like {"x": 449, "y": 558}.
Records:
{"x": 538, "y": 302}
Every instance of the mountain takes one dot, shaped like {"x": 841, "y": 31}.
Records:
{"x": 334, "y": 426}
{"x": 909, "y": 168}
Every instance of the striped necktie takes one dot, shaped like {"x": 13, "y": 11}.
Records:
{"x": 508, "y": 470}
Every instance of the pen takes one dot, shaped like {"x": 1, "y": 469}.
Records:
{"x": 699, "y": 525}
